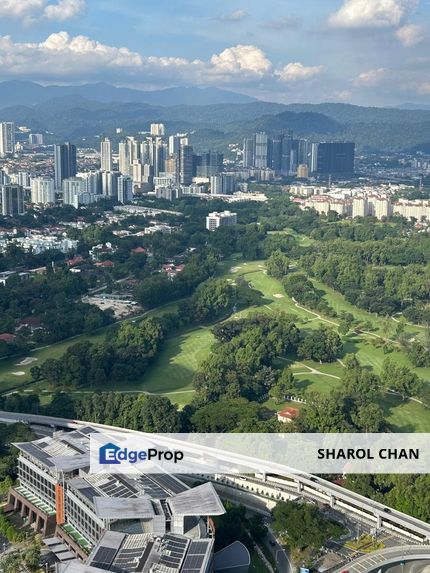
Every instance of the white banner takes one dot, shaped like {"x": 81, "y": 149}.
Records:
{"x": 119, "y": 452}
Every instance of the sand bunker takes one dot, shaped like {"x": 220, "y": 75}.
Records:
{"x": 20, "y": 373}
{"x": 278, "y": 295}
{"x": 26, "y": 361}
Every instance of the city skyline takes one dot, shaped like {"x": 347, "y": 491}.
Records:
{"x": 367, "y": 52}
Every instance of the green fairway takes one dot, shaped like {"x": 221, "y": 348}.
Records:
{"x": 406, "y": 416}
{"x": 15, "y": 371}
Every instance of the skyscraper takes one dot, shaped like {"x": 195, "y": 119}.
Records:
{"x": 106, "y": 155}
{"x": 157, "y": 129}
{"x": 7, "y": 138}
{"x": 248, "y": 152}
{"x": 186, "y": 158}
{"x": 12, "y": 200}
{"x": 65, "y": 163}
{"x": 335, "y": 158}
{"x": 211, "y": 164}
{"x": 261, "y": 150}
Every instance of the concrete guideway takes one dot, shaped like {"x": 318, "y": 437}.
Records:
{"x": 374, "y": 561}
{"x": 303, "y": 484}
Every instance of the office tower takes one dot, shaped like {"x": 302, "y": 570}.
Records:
{"x": 125, "y": 189}
{"x": 106, "y": 155}
{"x": 303, "y": 152}
{"x": 335, "y": 158}
{"x": 42, "y": 190}
{"x": 65, "y": 163}
{"x": 7, "y": 138}
{"x": 12, "y": 200}
{"x": 261, "y": 150}
{"x": 248, "y": 152}
{"x": 110, "y": 183}
{"x": 72, "y": 188}
{"x": 157, "y": 129}
{"x": 222, "y": 184}
{"x": 224, "y": 219}
{"x": 186, "y": 158}
{"x": 174, "y": 144}
{"x": 211, "y": 163}
{"x": 313, "y": 157}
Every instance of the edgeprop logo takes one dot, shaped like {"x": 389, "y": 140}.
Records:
{"x": 112, "y": 454}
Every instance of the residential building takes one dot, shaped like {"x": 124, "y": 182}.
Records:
{"x": 261, "y": 146}
{"x": 222, "y": 184}
{"x": 157, "y": 129}
{"x": 110, "y": 183}
{"x": 360, "y": 207}
{"x": 42, "y": 191}
{"x": 7, "y": 138}
{"x": 73, "y": 188}
{"x": 223, "y": 219}
{"x": 35, "y": 139}
{"x": 125, "y": 189}
{"x": 186, "y": 170}
{"x": 106, "y": 155}
{"x": 168, "y": 193}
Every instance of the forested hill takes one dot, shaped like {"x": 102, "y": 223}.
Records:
{"x": 373, "y": 129}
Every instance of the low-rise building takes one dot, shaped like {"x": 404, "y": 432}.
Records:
{"x": 222, "y": 219}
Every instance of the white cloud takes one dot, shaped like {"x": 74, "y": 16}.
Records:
{"x": 64, "y": 10}
{"x": 235, "y": 16}
{"x": 240, "y": 59}
{"x": 371, "y": 13}
{"x": 65, "y": 58}
{"x": 410, "y": 35}
{"x": 29, "y": 11}
{"x": 371, "y": 78}
{"x": 296, "y": 71}
{"x": 283, "y": 23}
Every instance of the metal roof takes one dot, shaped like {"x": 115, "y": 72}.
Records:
{"x": 123, "y": 508}
{"x": 200, "y": 500}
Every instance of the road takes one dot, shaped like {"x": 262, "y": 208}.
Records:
{"x": 378, "y": 559}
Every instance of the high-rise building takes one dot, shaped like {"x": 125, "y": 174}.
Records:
{"x": 125, "y": 189}
{"x": 223, "y": 219}
{"x": 211, "y": 164}
{"x": 42, "y": 190}
{"x": 248, "y": 152}
{"x": 261, "y": 150}
{"x": 12, "y": 200}
{"x": 7, "y": 138}
{"x": 157, "y": 129}
{"x": 35, "y": 139}
{"x": 23, "y": 179}
{"x": 93, "y": 181}
{"x": 335, "y": 158}
{"x": 4, "y": 177}
{"x": 302, "y": 171}
{"x": 222, "y": 184}
{"x": 65, "y": 163}
{"x": 106, "y": 155}
{"x": 73, "y": 187}
{"x": 360, "y": 207}
{"x": 186, "y": 159}
{"x": 110, "y": 183}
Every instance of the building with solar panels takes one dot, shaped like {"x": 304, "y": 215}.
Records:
{"x": 109, "y": 522}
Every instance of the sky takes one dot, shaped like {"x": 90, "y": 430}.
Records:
{"x": 366, "y": 52}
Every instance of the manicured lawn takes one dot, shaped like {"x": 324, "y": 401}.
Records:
{"x": 9, "y": 380}
{"x": 406, "y": 416}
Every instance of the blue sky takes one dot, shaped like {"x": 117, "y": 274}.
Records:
{"x": 373, "y": 52}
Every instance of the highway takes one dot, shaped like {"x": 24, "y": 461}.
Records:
{"x": 303, "y": 484}
{"x": 378, "y": 559}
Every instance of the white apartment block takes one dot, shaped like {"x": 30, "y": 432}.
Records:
{"x": 215, "y": 220}
{"x": 43, "y": 190}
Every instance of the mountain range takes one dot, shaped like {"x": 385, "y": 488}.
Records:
{"x": 67, "y": 115}
{"x": 19, "y": 92}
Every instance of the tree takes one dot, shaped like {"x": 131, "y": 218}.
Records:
{"x": 277, "y": 264}
{"x": 31, "y": 557}
{"x": 323, "y": 345}
{"x": 304, "y": 525}
{"x": 400, "y": 379}
{"x": 285, "y": 386}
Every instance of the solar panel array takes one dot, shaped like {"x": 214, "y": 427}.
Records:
{"x": 103, "y": 558}
{"x": 151, "y": 488}
{"x": 173, "y": 551}
{"x": 117, "y": 488}
{"x": 169, "y": 483}
{"x": 195, "y": 557}
{"x": 89, "y": 492}
{"x": 37, "y": 453}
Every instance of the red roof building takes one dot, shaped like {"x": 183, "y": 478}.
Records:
{"x": 6, "y": 337}
{"x": 287, "y": 415}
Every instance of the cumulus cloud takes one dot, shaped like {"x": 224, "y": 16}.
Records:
{"x": 242, "y": 59}
{"x": 62, "y": 57}
{"x": 296, "y": 71}
{"x": 410, "y": 35}
{"x": 371, "y": 78}
{"x": 64, "y": 10}
{"x": 371, "y": 13}
{"x": 32, "y": 10}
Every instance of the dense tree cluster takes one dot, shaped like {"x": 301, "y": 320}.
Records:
{"x": 242, "y": 365}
